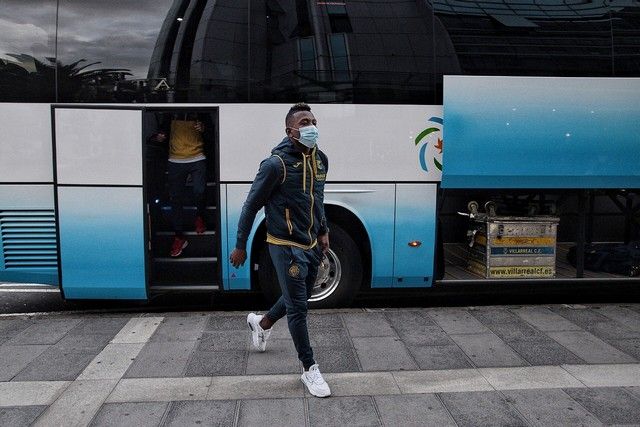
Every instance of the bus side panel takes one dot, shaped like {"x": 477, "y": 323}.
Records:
{"x": 25, "y": 151}
{"x": 541, "y": 132}
{"x": 28, "y": 251}
{"x": 374, "y": 206}
{"x": 28, "y": 246}
{"x": 415, "y": 222}
{"x": 102, "y": 242}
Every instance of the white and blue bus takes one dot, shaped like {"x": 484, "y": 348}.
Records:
{"x": 423, "y": 107}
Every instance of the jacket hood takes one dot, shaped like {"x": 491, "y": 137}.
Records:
{"x": 285, "y": 146}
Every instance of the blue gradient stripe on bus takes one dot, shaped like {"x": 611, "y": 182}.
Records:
{"x": 532, "y": 132}
{"x": 102, "y": 242}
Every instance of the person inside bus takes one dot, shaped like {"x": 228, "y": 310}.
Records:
{"x": 186, "y": 158}
{"x": 290, "y": 185}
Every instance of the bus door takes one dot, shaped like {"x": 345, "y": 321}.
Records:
{"x": 99, "y": 202}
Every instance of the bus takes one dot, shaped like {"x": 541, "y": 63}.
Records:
{"x": 430, "y": 112}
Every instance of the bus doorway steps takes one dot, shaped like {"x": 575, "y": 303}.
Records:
{"x": 183, "y": 271}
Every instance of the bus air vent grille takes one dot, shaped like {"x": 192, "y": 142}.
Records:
{"x": 28, "y": 239}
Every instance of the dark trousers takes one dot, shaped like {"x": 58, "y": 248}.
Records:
{"x": 297, "y": 270}
{"x": 177, "y": 175}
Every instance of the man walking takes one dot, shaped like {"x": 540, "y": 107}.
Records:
{"x": 290, "y": 185}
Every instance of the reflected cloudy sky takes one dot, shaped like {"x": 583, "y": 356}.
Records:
{"x": 118, "y": 33}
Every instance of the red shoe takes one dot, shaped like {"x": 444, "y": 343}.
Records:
{"x": 178, "y": 245}
{"x": 201, "y": 227}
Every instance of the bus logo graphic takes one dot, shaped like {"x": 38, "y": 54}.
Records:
{"x": 432, "y": 133}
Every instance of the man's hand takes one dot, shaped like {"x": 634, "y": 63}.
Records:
{"x": 238, "y": 257}
{"x": 323, "y": 241}
{"x": 159, "y": 137}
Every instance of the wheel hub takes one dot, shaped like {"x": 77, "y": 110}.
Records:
{"x": 328, "y": 279}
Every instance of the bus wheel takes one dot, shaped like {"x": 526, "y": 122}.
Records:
{"x": 339, "y": 274}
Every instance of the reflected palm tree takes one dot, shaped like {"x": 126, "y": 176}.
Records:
{"x": 28, "y": 78}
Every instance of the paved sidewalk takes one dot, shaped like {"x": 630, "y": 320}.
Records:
{"x": 524, "y": 365}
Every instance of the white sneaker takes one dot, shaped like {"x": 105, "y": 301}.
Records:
{"x": 316, "y": 385}
{"x": 259, "y": 336}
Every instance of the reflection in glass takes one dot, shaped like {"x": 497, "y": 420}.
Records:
{"x": 104, "y": 49}
{"x": 27, "y": 51}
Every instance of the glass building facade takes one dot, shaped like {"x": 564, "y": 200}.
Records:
{"x": 350, "y": 51}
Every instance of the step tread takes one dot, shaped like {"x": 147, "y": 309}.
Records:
{"x": 186, "y": 259}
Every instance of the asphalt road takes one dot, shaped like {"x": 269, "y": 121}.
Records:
{"x": 35, "y": 299}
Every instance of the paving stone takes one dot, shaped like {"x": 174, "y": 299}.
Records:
{"x": 606, "y": 375}
{"x": 317, "y": 321}
{"x": 622, "y": 315}
{"x": 551, "y": 407}
{"x": 280, "y": 331}
{"x": 83, "y": 342}
{"x": 179, "y": 329}
{"x": 545, "y": 352}
{"x": 631, "y": 346}
{"x": 206, "y": 363}
{"x": 102, "y": 325}
{"x": 545, "y": 320}
{"x": 202, "y": 413}
{"x": 78, "y": 404}
{"x": 454, "y": 380}
{"x": 137, "y": 330}
{"x": 457, "y": 321}
{"x": 160, "y": 389}
{"x": 56, "y": 365}
{"x": 16, "y": 358}
{"x": 30, "y": 393}
{"x": 341, "y": 411}
{"x": 590, "y": 348}
{"x": 494, "y": 316}
{"x": 529, "y": 377}
{"x": 134, "y": 414}
{"x": 407, "y": 320}
{"x": 161, "y": 359}
{"x": 280, "y": 358}
{"x": 112, "y": 362}
{"x": 12, "y": 327}
{"x": 518, "y": 330}
{"x": 227, "y": 323}
{"x": 383, "y": 354}
{"x": 361, "y": 383}
{"x": 44, "y": 331}
{"x": 611, "y": 330}
{"x": 487, "y": 350}
{"x": 280, "y": 412}
{"x": 580, "y": 316}
{"x": 20, "y": 415}
{"x": 427, "y": 335}
{"x": 368, "y": 325}
{"x": 610, "y": 405}
{"x": 256, "y": 387}
{"x": 487, "y": 408}
{"x": 333, "y": 359}
{"x": 439, "y": 357}
{"x": 224, "y": 340}
{"x": 329, "y": 338}
{"x": 413, "y": 410}
{"x": 634, "y": 390}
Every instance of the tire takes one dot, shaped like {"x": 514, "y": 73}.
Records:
{"x": 338, "y": 281}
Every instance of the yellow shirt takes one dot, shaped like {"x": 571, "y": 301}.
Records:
{"x": 185, "y": 141}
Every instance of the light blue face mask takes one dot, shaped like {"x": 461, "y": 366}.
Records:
{"x": 308, "y": 136}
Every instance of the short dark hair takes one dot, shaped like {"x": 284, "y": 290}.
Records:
{"x": 300, "y": 106}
